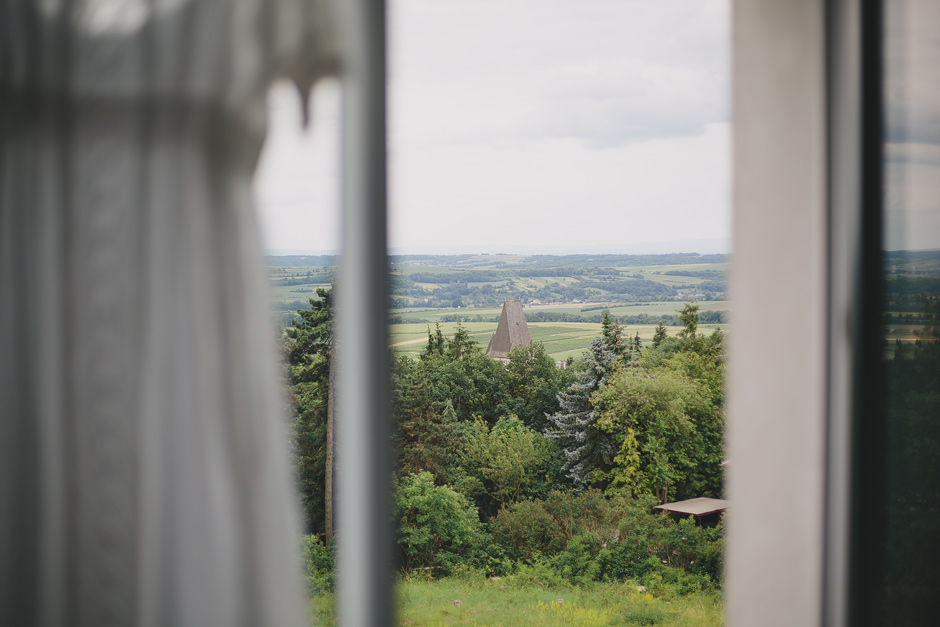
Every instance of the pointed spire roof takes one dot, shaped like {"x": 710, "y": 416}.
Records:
{"x": 511, "y": 331}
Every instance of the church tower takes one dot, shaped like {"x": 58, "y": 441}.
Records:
{"x": 511, "y": 332}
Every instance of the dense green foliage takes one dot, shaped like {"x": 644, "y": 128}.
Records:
{"x": 320, "y": 561}
{"x": 913, "y": 483}
{"x": 525, "y": 467}
{"x": 499, "y": 465}
{"x": 438, "y": 528}
{"x": 308, "y": 348}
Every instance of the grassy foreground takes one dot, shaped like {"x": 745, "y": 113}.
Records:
{"x": 508, "y": 601}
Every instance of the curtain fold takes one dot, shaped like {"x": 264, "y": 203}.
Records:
{"x": 143, "y": 471}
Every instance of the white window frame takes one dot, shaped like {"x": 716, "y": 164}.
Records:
{"x": 804, "y": 115}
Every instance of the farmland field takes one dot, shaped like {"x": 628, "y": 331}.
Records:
{"x": 564, "y": 296}
{"x": 561, "y": 339}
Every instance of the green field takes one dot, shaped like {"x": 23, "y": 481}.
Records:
{"x": 411, "y": 338}
{"x": 501, "y": 602}
{"x": 289, "y": 293}
{"x": 490, "y": 279}
{"x": 652, "y": 308}
{"x": 561, "y": 339}
{"x": 577, "y": 288}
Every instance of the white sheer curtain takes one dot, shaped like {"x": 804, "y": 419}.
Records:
{"x": 143, "y": 477}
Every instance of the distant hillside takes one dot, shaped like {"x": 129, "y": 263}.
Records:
{"x": 461, "y": 282}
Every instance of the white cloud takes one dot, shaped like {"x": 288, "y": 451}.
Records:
{"x": 605, "y": 72}
{"x": 548, "y": 122}
{"x": 912, "y": 156}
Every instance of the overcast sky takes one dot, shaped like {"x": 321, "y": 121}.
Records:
{"x": 912, "y": 104}
{"x": 528, "y": 126}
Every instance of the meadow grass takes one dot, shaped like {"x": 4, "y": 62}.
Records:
{"x": 495, "y": 602}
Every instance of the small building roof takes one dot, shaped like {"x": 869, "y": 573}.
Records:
{"x": 696, "y": 507}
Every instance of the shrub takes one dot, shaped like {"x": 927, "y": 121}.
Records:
{"x": 319, "y": 559}
{"x": 526, "y": 530}
{"x": 639, "y": 541}
{"x": 580, "y": 560}
{"x": 590, "y": 537}
{"x": 438, "y": 528}
{"x": 537, "y": 575}
{"x": 581, "y": 513}
{"x": 693, "y": 549}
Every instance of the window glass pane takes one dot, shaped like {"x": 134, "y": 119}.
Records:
{"x": 912, "y": 287}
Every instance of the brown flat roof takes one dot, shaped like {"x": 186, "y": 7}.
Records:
{"x": 696, "y": 507}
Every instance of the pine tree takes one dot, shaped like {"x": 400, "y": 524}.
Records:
{"x": 612, "y": 334}
{"x": 309, "y": 348}
{"x": 587, "y": 449}
{"x": 689, "y": 317}
{"x": 460, "y": 344}
{"x": 435, "y": 344}
{"x": 660, "y": 335}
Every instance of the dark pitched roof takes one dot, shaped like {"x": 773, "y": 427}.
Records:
{"x": 511, "y": 331}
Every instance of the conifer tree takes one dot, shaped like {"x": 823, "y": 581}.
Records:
{"x": 588, "y": 451}
{"x": 612, "y": 334}
{"x": 309, "y": 353}
{"x": 659, "y": 335}
{"x": 435, "y": 344}
{"x": 689, "y": 317}
{"x": 460, "y": 344}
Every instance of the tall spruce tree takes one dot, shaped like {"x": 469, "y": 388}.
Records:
{"x": 309, "y": 349}
{"x": 612, "y": 334}
{"x": 587, "y": 449}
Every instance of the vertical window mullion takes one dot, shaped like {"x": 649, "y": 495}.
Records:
{"x": 364, "y": 461}
{"x": 856, "y": 426}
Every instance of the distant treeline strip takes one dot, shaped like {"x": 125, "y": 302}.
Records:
{"x": 705, "y": 317}
{"x": 902, "y": 286}
{"x": 489, "y": 276}
{"x": 716, "y": 275}
{"x": 299, "y": 261}
{"x": 533, "y": 261}
{"x": 303, "y": 279}
{"x": 625, "y": 260}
